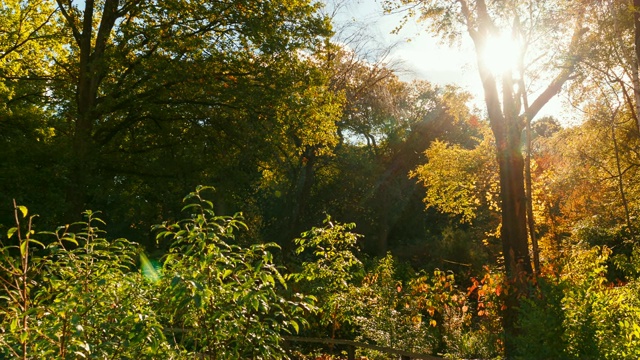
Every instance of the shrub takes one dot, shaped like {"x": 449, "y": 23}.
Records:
{"x": 330, "y": 272}
{"x": 76, "y": 297}
{"x": 219, "y": 299}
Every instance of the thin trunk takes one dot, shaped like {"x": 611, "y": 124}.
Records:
{"x": 382, "y": 242}
{"x": 620, "y": 178}
{"x": 530, "y": 220}
{"x": 301, "y": 193}
{"x": 636, "y": 76}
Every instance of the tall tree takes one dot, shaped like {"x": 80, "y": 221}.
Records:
{"x": 29, "y": 34}
{"x": 156, "y": 97}
{"x": 530, "y": 26}
{"x": 636, "y": 65}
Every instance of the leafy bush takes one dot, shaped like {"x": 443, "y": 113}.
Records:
{"x": 541, "y": 321}
{"x": 76, "y": 297}
{"x": 81, "y": 296}
{"x": 219, "y": 299}
{"x": 389, "y": 314}
{"x": 330, "y": 272}
{"x": 581, "y": 314}
{"x": 602, "y": 319}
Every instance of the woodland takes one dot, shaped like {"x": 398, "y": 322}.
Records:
{"x": 205, "y": 179}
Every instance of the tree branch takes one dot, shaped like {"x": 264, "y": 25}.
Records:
{"x": 28, "y": 38}
{"x": 71, "y": 20}
{"x": 556, "y": 85}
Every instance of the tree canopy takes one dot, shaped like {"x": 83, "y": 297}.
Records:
{"x": 334, "y": 196}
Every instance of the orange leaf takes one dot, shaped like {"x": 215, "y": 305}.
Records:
{"x": 472, "y": 288}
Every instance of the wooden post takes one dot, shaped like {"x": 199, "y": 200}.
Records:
{"x": 351, "y": 352}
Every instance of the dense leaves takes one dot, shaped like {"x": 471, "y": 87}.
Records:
{"x": 126, "y": 106}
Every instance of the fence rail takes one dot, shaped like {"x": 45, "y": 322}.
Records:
{"x": 352, "y": 345}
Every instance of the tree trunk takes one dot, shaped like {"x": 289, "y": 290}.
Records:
{"x": 91, "y": 70}
{"x": 507, "y": 122}
{"x": 636, "y": 66}
{"x": 529, "y": 192}
{"x": 85, "y": 102}
{"x": 515, "y": 247}
{"x": 620, "y": 177}
{"x": 514, "y": 226}
{"x": 299, "y": 198}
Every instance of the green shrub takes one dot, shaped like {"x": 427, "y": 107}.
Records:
{"x": 219, "y": 299}
{"x": 76, "y": 297}
{"x": 541, "y": 321}
{"x": 580, "y": 314}
{"x": 330, "y": 271}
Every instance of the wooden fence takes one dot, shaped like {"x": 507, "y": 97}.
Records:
{"x": 352, "y": 345}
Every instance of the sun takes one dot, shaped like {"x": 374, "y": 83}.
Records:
{"x": 501, "y": 54}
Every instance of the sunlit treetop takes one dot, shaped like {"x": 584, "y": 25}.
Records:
{"x": 530, "y": 41}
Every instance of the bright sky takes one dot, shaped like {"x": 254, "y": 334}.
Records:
{"x": 424, "y": 56}
{"x": 420, "y": 52}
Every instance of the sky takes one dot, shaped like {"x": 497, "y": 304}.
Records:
{"x": 420, "y": 52}
{"x": 425, "y": 57}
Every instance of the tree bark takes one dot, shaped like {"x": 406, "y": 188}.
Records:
{"x": 91, "y": 69}
{"x": 507, "y": 120}
{"x": 529, "y": 192}
{"x": 620, "y": 177}
{"x": 636, "y": 66}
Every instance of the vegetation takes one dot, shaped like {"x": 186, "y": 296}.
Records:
{"x": 479, "y": 234}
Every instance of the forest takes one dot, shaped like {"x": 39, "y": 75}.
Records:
{"x": 219, "y": 179}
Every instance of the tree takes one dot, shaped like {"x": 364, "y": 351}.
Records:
{"x": 28, "y": 36}
{"x": 605, "y": 92}
{"x": 460, "y": 182}
{"x": 506, "y": 94}
{"x": 150, "y": 99}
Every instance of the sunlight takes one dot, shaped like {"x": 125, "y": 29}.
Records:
{"x": 501, "y": 54}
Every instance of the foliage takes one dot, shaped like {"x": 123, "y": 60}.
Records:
{"x": 602, "y": 319}
{"x": 330, "y": 271}
{"x": 459, "y": 181}
{"x": 76, "y": 297}
{"x": 542, "y": 322}
{"x": 390, "y": 316}
{"x": 428, "y": 312}
{"x": 123, "y": 94}
{"x": 222, "y": 300}
{"x": 580, "y": 314}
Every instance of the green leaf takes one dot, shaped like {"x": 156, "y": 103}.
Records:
{"x": 226, "y": 273}
{"x": 295, "y": 325}
{"x": 11, "y": 232}
{"x": 70, "y": 238}
{"x": 23, "y": 248}
{"x": 186, "y": 207}
{"x": 23, "y": 210}
{"x": 36, "y": 242}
